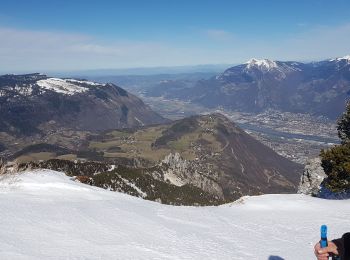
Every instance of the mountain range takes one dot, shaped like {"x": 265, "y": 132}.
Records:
{"x": 34, "y": 103}
{"x": 317, "y": 88}
{"x": 202, "y": 160}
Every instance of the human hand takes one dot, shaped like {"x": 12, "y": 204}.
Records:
{"x": 324, "y": 253}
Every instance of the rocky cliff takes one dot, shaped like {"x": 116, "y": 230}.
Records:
{"x": 311, "y": 180}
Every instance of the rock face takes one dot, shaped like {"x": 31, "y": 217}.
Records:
{"x": 34, "y": 103}
{"x": 179, "y": 172}
{"x": 313, "y": 175}
{"x": 2, "y": 167}
{"x": 311, "y": 182}
{"x": 319, "y": 88}
{"x": 174, "y": 169}
{"x": 8, "y": 170}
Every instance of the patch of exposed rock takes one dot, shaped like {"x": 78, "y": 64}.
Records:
{"x": 313, "y": 175}
{"x": 311, "y": 182}
{"x": 8, "y": 167}
{"x": 179, "y": 172}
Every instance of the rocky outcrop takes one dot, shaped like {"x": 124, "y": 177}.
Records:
{"x": 313, "y": 175}
{"x": 179, "y": 172}
{"x": 2, "y": 167}
{"x": 8, "y": 167}
{"x": 312, "y": 179}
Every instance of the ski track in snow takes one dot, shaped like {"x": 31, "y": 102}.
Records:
{"x": 45, "y": 215}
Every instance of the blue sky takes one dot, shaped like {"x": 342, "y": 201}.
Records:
{"x": 73, "y": 35}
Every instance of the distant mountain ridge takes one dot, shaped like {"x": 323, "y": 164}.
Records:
{"x": 318, "y": 88}
{"x": 32, "y": 102}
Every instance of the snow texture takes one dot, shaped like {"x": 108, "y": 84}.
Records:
{"x": 346, "y": 58}
{"x": 65, "y": 86}
{"x": 139, "y": 121}
{"x": 46, "y": 215}
{"x": 265, "y": 63}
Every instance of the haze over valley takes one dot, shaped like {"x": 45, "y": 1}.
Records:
{"x": 297, "y": 131}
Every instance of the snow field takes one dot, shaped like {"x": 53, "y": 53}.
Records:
{"x": 46, "y": 215}
{"x": 65, "y": 86}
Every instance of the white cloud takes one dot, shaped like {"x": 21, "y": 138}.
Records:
{"x": 25, "y": 50}
{"x": 320, "y": 42}
{"x": 315, "y": 43}
{"x": 219, "y": 35}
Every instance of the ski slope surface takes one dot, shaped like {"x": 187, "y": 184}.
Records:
{"x": 46, "y": 215}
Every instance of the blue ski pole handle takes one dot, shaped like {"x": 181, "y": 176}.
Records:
{"x": 323, "y": 242}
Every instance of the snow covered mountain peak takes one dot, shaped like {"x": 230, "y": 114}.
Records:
{"x": 346, "y": 58}
{"x": 265, "y": 64}
{"x": 66, "y": 86}
{"x": 256, "y": 67}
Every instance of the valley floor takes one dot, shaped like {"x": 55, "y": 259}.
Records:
{"x": 45, "y": 215}
{"x": 296, "y": 136}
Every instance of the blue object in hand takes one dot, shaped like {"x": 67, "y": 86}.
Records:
{"x": 323, "y": 241}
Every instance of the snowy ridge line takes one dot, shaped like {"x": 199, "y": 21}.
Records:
{"x": 264, "y": 63}
{"x": 85, "y": 82}
{"x": 265, "y": 66}
{"x": 346, "y": 57}
{"x": 66, "y": 86}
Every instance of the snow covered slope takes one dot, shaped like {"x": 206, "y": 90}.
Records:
{"x": 61, "y": 86}
{"x": 45, "y": 215}
{"x": 264, "y": 64}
